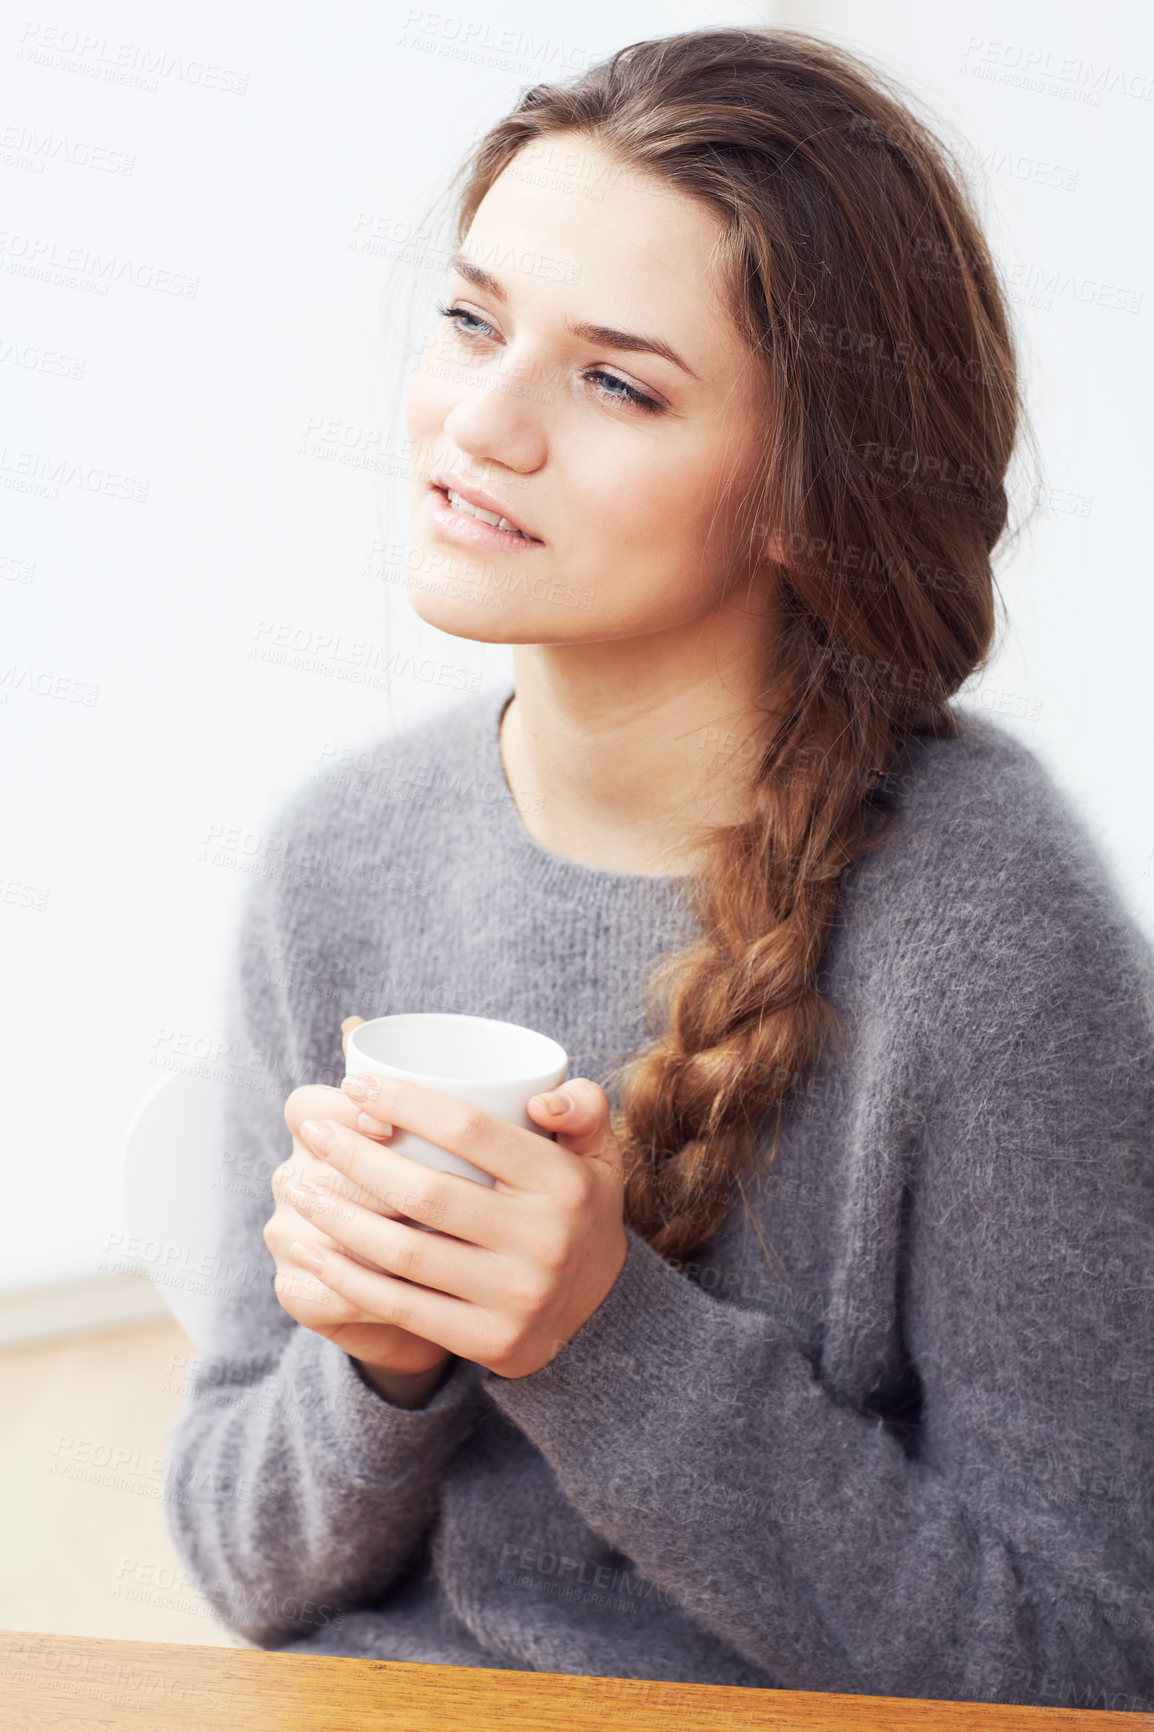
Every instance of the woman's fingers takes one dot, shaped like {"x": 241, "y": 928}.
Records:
{"x": 520, "y": 1159}
{"x": 302, "y": 1293}
{"x": 303, "y": 1167}
{"x": 584, "y": 1125}
{"x": 347, "y": 1027}
{"x": 431, "y": 1259}
{"x": 446, "y": 1202}
{"x": 319, "y": 1101}
{"x": 405, "y": 1302}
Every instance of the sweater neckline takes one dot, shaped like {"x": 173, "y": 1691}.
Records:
{"x": 539, "y": 864}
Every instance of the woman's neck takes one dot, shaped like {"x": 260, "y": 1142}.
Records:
{"x": 622, "y": 789}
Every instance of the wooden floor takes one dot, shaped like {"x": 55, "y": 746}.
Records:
{"x": 84, "y": 1427}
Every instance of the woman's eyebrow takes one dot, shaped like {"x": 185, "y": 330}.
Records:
{"x": 603, "y": 334}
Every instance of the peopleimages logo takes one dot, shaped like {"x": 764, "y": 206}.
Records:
{"x": 38, "y": 472}
{"x": 33, "y": 359}
{"x": 121, "y": 62}
{"x": 25, "y": 147}
{"x": 1039, "y": 285}
{"x": 435, "y": 31}
{"x": 573, "y": 1578}
{"x": 45, "y": 257}
{"x": 1039, "y": 69}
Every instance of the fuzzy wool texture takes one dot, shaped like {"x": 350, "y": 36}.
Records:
{"x": 889, "y": 1431}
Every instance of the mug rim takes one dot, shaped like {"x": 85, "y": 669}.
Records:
{"x": 556, "y": 1054}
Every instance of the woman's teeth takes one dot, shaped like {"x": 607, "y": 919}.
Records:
{"x": 460, "y": 504}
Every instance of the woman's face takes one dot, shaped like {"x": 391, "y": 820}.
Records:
{"x": 624, "y": 466}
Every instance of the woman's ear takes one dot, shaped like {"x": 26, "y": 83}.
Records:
{"x": 773, "y": 548}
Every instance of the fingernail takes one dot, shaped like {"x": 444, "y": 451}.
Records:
{"x": 372, "y": 1127}
{"x": 318, "y": 1135}
{"x": 361, "y": 1088}
{"x": 557, "y": 1102}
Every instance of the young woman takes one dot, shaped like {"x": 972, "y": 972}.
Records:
{"x": 815, "y": 1352}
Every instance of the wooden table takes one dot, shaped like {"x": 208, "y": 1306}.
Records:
{"x": 92, "y": 1684}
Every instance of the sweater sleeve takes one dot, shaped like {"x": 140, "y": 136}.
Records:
{"x": 294, "y": 1491}
{"x": 1008, "y": 1551}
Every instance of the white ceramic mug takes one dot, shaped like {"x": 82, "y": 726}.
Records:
{"x": 497, "y": 1066}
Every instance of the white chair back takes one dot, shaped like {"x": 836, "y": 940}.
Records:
{"x": 170, "y": 1165}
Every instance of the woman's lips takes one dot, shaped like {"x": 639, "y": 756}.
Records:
{"x": 469, "y": 531}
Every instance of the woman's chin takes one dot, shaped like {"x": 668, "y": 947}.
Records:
{"x": 461, "y": 608}
{"x": 466, "y": 609}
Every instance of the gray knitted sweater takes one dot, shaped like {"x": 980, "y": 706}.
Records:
{"x": 890, "y": 1431}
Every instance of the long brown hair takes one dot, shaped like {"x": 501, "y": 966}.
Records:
{"x": 857, "y": 273}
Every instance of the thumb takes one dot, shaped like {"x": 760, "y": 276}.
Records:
{"x": 583, "y": 1122}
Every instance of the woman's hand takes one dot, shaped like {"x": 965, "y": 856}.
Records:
{"x": 510, "y": 1273}
{"x": 382, "y": 1345}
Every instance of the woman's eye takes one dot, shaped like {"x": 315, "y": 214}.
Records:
{"x": 638, "y": 398}
{"x": 456, "y": 313}
{"x": 626, "y": 393}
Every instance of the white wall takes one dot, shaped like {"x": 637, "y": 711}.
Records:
{"x": 195, "y": 343}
